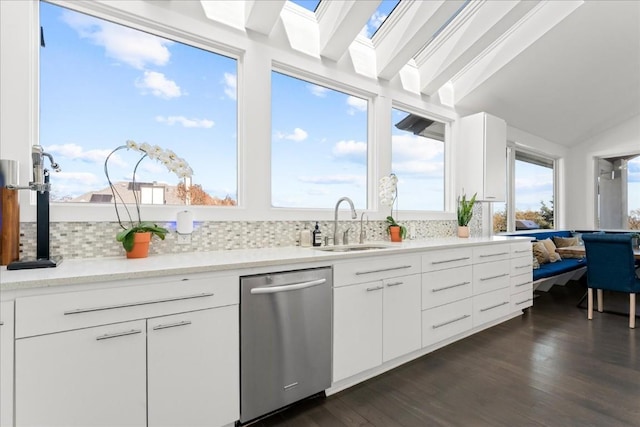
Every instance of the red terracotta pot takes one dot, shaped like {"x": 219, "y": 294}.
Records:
{"x": 140, "y": 245}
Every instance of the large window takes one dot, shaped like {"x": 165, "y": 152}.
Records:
{"x": 417, "y": 149}
{"x": 530, "y": 202}
{"x": 618, "y": 192}
{"x": 102, "y": 84}
{"x": 319, "y": 145}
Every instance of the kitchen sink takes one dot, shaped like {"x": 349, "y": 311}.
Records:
{"x": 352, "y": 248}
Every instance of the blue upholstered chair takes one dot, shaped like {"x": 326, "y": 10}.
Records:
{"x": 611, "y": 267}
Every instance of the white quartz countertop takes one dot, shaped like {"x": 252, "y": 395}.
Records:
{"x": 83, "y": 271}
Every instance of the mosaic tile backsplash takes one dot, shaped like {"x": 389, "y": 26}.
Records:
{"x": 97, "y": 239}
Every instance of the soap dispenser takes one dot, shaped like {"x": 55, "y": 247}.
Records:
{"x": 317, "y": 235}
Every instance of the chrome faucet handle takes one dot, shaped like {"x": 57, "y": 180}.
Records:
{"x": 345, "y": 236}
{"x": 363, "y": 233}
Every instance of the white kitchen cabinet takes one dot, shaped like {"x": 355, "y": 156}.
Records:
{"x": 148, "y": 355}
{"x": 401, "y": 308}
{"x": 357, "y": 328}
{"x": 445, "y": 321}
{"x": 192, "y": 368}
{"x": 87, "y": 377}
{"x": 482, "y": 147}
{"x": 521, "y": 276}
{"x": 6, "y": 364}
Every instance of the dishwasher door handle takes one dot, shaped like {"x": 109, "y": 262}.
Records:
{"x": 285, "y": 288}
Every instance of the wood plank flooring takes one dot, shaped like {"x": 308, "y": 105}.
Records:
{"x": 549, "y": 367}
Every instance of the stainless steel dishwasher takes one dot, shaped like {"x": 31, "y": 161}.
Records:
{"x": 285, "y": 339}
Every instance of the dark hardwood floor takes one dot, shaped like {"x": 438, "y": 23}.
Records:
{"x": 549, "y": 367}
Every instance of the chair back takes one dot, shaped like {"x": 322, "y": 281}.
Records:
{"x": 610, "y": 262}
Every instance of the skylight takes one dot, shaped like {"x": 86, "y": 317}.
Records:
{"x": 379, "y": 16}
{"x": 311, "y": 5}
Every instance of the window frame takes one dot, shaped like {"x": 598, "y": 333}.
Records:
{"x": 66, "y": 211}
{"x": 449, "y": 208}
{"x": 310, "y": 78}
{"x": 512, "y": 149}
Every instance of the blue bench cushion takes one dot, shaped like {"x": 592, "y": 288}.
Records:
{"x": 549, "y": 234}
{"x": 555, "y": 268}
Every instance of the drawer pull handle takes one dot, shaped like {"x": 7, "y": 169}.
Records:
{"x": 172, "y": 325}
{"x": 448, "y": 322}
{"x": 1, "y": 323}
{"x": 493, "y": 277}
{"x": 395, "y": 284}
{"x": 525, "y": 301}
{"x": 523, "y": 266}
{"x": 450, "y": 286}
{"x": 290, "y": 386}
{"x": 375, "y": 288}
{"x": 494, "y": 306}
{"x": 401, "y": 267}
{"x": 488, "y": 255}
{"x": 134, "y": 304}
{"x": 524, "y": 283}
{"x": 522, "y": 251}
{"x": 118, "y": 334}
{"x": 450, "y": 260}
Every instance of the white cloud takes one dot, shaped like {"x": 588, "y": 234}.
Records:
{"x": 413, "y": 147}
{"x": 158, "y": 85}
{"x": 356, "y": 105}
{"x": 123, "y": 44}
{"x": 297, "y": 135}
{"x": 333, "y": 179}
{"x": 351, "y": 149}
{"x": 231, "y": 85}
{"x": 318, "y": 91}
{"x": 185, "y": 122}
{"x": 76, "y": 152}
{"x": 419, "y": 167}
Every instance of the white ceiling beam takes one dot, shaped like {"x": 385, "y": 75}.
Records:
{"x": 262, "y": 15}
{"x": 478, "y": 26}
{"x": 227, "y": 12}
{"x": 340, "y": 22}
{"x": 542, "y": 18}
{"x": 406, "y": 30}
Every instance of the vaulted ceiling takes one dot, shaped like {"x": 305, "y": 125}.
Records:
{"x": 561, "y": 70}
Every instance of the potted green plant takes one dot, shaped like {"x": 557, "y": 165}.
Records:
{"x": 136, "y": 235}
{"x": 389, "y": 196}
{"x": 465, "y": 212}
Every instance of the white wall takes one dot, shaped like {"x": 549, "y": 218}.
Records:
{"x": 621, "y": 139}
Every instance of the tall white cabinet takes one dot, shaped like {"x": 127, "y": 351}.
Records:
{"x": 481, "y": 146}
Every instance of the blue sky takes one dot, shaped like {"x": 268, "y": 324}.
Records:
{"x": 102, "y": 84}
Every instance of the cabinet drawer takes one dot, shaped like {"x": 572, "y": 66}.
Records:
{"x": 442, "y": 322}
{"x": 522, "y": 282}
{"x": 45, "y": 314}
{"x": 521, "y": 265}
{"x": 491, "y": 306}
{"x": 521, "y": 249}
{"x": 375, "y": 268}
{"x": 447, "y": 258}
{"x": 491, "y": 276}
{"x": 491, "y": 253}
{"x": 445, "y": 286}
{"x": 521, "y": 300}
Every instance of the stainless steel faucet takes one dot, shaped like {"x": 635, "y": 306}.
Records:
{"x": 354, "y": 215}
